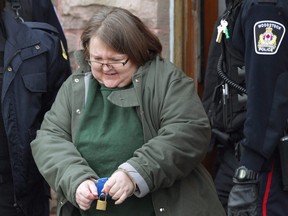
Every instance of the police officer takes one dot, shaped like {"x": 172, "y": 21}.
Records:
{"x": 260, "y": 34}
{"x": 224, "y": 99}
{"x": 32, "y": 67}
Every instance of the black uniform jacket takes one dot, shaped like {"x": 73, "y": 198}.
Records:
{"x": 260, "y": 34}
{"x": 39, "y": 11}
{"x": 34, "y": 69}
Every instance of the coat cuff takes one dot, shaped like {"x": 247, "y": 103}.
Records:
{"x": 142, "y": 187}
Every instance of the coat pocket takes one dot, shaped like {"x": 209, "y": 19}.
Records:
{"x": 36, "y": 82}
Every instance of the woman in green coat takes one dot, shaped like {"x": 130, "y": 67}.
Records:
{"x": 132, "y": 116}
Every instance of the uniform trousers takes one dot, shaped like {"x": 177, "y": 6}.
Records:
{"x": 223, "y": 179}
{"x": 273, "y": 200}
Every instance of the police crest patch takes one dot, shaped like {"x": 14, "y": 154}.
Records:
{"x": 268, "y": 36}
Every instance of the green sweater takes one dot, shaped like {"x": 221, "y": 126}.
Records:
{"x": 108, "y": 135}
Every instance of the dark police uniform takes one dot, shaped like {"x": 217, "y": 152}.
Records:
{"x": 260, "y": 34}
{"x": 33, "y": 67}
{"x": 226, "y": 109}
{"x": 38, "y": 11}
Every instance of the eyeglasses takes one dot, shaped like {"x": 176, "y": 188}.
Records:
{"x": 100, "y": 65}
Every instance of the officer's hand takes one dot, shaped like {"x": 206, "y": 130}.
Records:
{"x": 242, "y": 199}
{"x": 86, "y": 193}
{"x": 119, "y": 186}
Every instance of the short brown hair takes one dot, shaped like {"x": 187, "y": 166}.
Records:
{"x": 124, "y": 32}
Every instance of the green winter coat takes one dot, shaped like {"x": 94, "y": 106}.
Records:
{"x": 176, "y": 133}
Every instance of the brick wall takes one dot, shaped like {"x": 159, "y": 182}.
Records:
{"x": 74, "y": 15}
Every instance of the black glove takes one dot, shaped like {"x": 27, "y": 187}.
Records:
{"x": 242, "y": 199}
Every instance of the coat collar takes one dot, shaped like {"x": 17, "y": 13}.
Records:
{"x": 80, "y": 59}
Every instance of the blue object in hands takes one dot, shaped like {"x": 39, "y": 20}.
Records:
{"x": 100, "y": 184}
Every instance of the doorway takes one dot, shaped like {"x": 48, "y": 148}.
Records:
{"x": 193, "y": 26}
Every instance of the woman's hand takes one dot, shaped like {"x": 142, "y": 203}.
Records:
{"x": 86, "y": 193}
{"x": 119, "y": 186}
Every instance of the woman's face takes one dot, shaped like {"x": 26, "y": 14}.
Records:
{"x": 109, "y": 67}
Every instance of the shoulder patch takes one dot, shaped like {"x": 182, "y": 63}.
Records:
{"x": 268, "y": 36}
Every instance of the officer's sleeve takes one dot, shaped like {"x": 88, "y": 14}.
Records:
{"x": 263, "y": 33}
